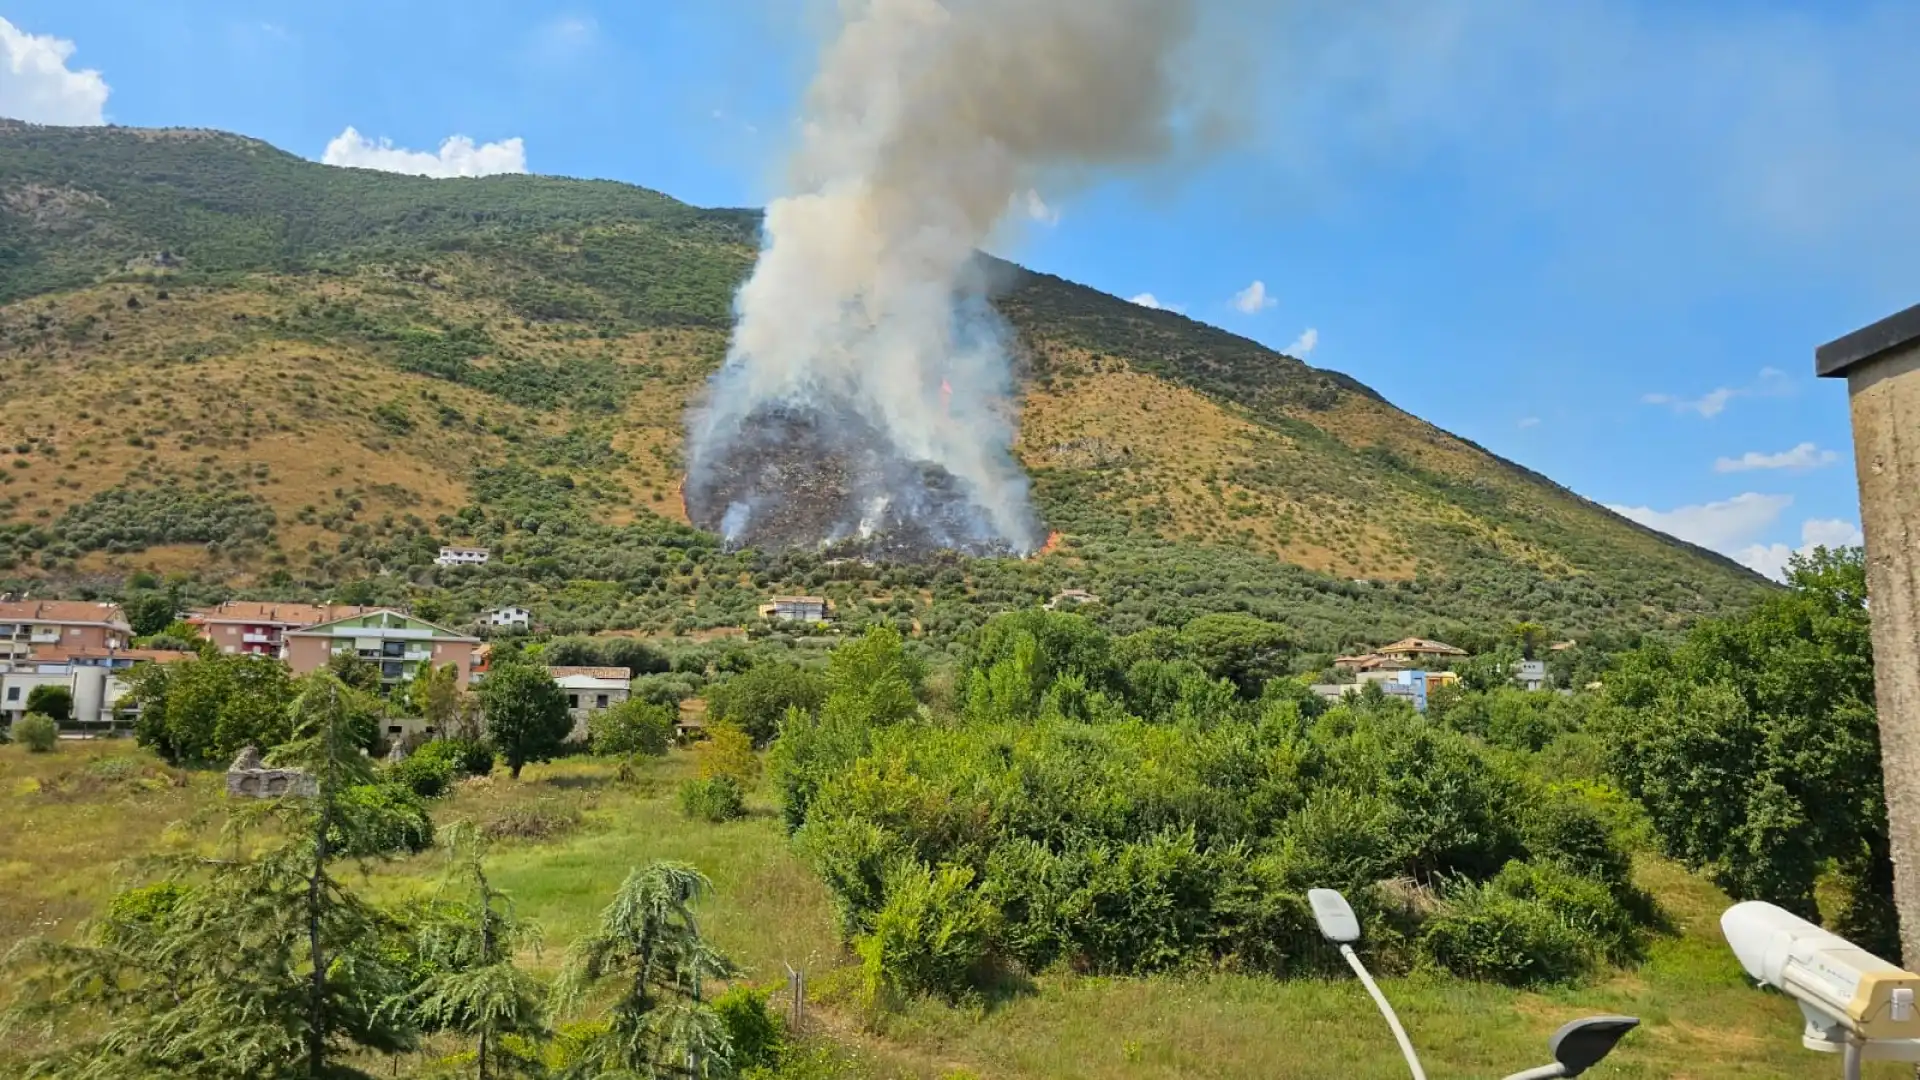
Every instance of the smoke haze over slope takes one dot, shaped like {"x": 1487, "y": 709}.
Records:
{"x": 864, "y": 334}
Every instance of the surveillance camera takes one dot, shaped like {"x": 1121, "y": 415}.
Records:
{"x": 1837, "y": 983}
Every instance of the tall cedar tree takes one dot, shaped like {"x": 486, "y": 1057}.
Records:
{"x": 527, "y": 716}
{"x": 475, "y": 989}
{"x": 261, "y": 966}
{"x": 649, "y": 947}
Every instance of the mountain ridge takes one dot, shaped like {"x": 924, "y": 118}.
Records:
{"x": 569, "y": 324}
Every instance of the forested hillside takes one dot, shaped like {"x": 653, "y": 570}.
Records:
{"x": 267, "y": 375}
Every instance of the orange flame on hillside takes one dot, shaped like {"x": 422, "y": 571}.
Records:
{"x": 1051, "y": 547}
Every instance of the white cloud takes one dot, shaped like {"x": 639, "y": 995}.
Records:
{"x": 1771, "y": 559}
{"x": 1529, "y": 421}
{"x": 1303, "y": 345}
{"x": 1723, "y": 526}
{"x": 1036, "y": 208}
{"x": 37, "y": 86}
{"x": 458, "y": 156}
{"x": 1772, "y": 383}
{"x": 1802, "y": 458}
{"x": 1253, "y": 299}
{"x": 1148, "y": 300}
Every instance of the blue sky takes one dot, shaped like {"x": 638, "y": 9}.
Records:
{"x": 1601, "y": 239}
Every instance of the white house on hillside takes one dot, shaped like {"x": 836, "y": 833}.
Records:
{"x": 462, "y": 556}
{"x": 509, "y": 618}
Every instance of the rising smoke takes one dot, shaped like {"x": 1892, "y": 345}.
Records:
{"x": 867, "y": 394}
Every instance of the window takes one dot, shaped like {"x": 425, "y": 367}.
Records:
{"x": 573, "y": 701}
{"x": 392, "y": 670}
{"x": 73, "y": 631}
{"x": 600, "y": 702}
{"x": 393, "y": 648}
{"x": 232, "y": 630}
{"x": 393, "y": 729}
{"x": 13, "y": 693}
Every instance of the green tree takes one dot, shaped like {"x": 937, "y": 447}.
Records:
{"x": 260, "y": 964}
{"x": 435, "y": 695}
{"x": 631, "y": 727}
{"x": 468, "y": 944}
{"x": 757, "y": 699}
{"x": 647, "y": 951}
{"x": 872, "y": 680}
{"x": 53, "y": 702}
{"x": 1530, "y": 638}
{"x": 1240, "y": 648}
{"x": 1754, "y": 746}
{"x": 359, "y": 674}
{"x": 148, "y": 613}
{"x": 526, "y": 712}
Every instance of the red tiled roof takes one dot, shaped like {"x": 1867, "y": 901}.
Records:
{"x": 591, "y": 672}
{"x": 158, "y": 656}
{"x": 267, "y": 612}
{"x": 62, "y": 611}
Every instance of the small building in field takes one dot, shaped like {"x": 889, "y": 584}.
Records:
{"x": 1531, "y": 674}
{"x": 591, "y": 690}
{"x": 462, "y": 556}
{"x": 807, "y": 609}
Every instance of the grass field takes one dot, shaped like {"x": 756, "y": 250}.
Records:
{"x": 77, "y": 821}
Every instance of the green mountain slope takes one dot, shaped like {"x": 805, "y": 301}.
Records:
{"x": 332, "y": 371}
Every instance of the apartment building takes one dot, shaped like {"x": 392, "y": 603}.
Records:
{"x": 256, "y": 628}
{"x": 26, "y": 625}
{"x": 395, "y": 641}
{"x": 591, "y": 690}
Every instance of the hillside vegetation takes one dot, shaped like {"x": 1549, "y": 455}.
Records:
{"x": 285, "y": 378}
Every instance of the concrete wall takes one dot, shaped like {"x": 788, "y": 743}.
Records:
{"x": 305, "y": 654}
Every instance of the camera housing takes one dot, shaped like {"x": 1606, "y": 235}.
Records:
{"x": 1837, "y": 983}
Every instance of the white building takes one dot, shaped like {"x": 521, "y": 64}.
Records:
{"x": 809, "y": 609}
{"x": 510, "y": 618}
{"x": 93, "y": 680}
{"x": 591, "y": 690}
{"x": 462, "y": 556}
{"x": 1531, "y": 674}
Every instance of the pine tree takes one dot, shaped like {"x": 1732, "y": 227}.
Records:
{"x": 263, "y": 966}
{"x": 475, "y": 988}
{"x": 649, "y": 946}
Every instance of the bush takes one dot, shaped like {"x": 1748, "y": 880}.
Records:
{"x": 757, "y": 700}
{"x": 1608, "y": 928}
{"x": 53, "y": 702}
{"x": 931, "y": 937}
{"x": 717, "y": 799}
{"x": 466, "y": 757}
{"x": 390, "y": 818}
{"x": 39, "y": 734}
{"x": 537, "y": 821}
{"x": 631, "y": 727}
{"x": 1485, "y": 932}
{"x": 755, "y": 1034}
{"x": 425, "y": 775}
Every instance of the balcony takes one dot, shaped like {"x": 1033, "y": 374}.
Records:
{"x": 418, "y": 654}
{"x": 252, "y": 638}
{"x": 45, "y": 637}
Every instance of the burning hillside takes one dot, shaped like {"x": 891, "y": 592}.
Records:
{"x": 798, "y": 475}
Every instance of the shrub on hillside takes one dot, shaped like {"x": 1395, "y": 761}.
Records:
{"x": 382, "y": 819}
{"x": 757, "y": 700}
{"x": 38, "y": 733}
{"x": 933, "y": 936}
{"x": 427, "y": 776}
{"x": 631, "y": 727}
{"x": 717, "y": 799}
{"x": 466, "y": 757}
{"x": 755, "y": 1035}
{"x": 1485, "y": 932}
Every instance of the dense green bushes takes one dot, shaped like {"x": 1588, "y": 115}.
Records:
{"x": 1053, "y": 825}
{"x": 714, "y": 798}
{"x": 631, "y": 727}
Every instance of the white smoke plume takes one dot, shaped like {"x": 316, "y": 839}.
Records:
{"x": 930, "y": 127}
